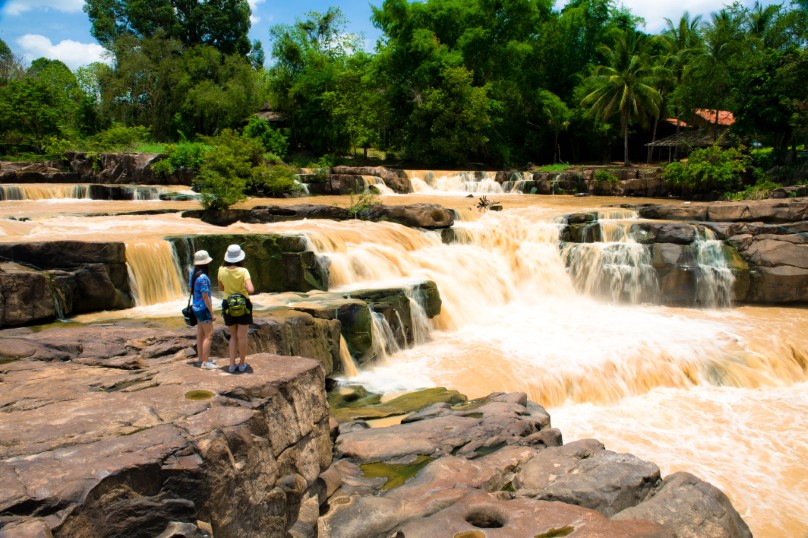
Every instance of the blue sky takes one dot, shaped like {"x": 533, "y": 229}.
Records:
{"x": 59, "y": 29}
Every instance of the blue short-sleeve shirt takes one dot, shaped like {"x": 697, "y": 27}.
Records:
{"x": 201, "y": 288}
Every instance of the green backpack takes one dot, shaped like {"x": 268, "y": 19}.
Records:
{"x": 236, "y": 305}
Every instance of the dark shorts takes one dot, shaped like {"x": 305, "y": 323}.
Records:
{"x": 203, "y": 316}
{"x": 246, "y": 319}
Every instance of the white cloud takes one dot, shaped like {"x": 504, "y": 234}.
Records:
{"x": 255, "y": 19}
{"x": 72, "y": 53}
{"x": 18, "y": 7}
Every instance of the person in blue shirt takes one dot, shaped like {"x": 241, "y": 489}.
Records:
{"x": 203, "y": 308}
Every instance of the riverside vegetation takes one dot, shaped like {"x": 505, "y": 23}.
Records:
{"x": 543, "y": 89}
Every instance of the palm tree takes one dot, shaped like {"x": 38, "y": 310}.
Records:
{"x": 681, "y": 42}
{"x": 625, "y": 85}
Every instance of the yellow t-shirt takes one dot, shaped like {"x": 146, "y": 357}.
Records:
{"x": 233, "y": 278}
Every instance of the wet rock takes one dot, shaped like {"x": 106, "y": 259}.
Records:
{"x": 428, "y": 216}
{"x": 397, "y": 180}
{"x": 276, "y": 262}
{"x": 478, "y": 515}
{"x": 58, "y": 278}
{"x": 691, "y": 506}
{"x": 583, "y": 473}
{"x": 368, "y": 407}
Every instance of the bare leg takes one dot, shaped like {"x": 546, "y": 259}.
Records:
{"x": 242, "y": 343}
{"x": 207, "y": 337}
{"x": 232, "y": 345}
{"x": 200, "y": 337}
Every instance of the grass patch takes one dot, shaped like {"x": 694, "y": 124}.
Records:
{"x": 557, "y": 168}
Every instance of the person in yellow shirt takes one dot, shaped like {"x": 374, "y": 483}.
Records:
{"x": 236, "y": 285}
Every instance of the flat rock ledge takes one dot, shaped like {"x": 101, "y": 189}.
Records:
{"x": 495, "y": 468}
{"x": 427, "y": 216}
{"x": 167, "y": 450}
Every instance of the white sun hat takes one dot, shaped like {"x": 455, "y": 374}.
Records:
{"x": 234, "y": 254}
{"x": 201, "y": 257}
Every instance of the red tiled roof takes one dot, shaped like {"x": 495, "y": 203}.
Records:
{"x": 677, "y": 120}
{"x": 725, "y": 117}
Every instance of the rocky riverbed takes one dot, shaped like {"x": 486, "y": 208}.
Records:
{"x": 112, "y": 431}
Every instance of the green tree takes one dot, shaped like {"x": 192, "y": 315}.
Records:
{"x": 451, "y": 119}
{"x": 356, "y": 105}
{"x": 222, "y": 24}
{"x": 557, "y": 115}
{"x": 172, "y": 89}
{"x": 227, "y": 168}
{"x": 625, "y": 85}
{"x": 44, "y": 102}
{"x": 310, "y": 56}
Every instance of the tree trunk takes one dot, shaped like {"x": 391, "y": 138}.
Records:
{"x": 676, "y": 147}
{"x": 653, "y": 139}
{"x": 624, "y": 126}
{"x": 556, "y": 151}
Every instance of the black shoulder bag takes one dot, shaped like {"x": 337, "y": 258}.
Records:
{"x": 188, "y": 311}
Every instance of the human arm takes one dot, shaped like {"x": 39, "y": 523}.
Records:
{"x": 248, "y": 285}
{"x": 209, "y": 304}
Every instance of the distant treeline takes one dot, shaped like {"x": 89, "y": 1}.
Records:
{"x": 500, "y": 82}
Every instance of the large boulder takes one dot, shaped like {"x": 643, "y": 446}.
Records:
{"x": 429, "y": 216}
{"x": 692, "y": 506}
{"x": 59, "y": 278}
{"x": 276, "y": 262}
{"x": 583, "y": 473}
{"x": 494, "y": 467}
{"x": 88, "y": 451}
{"x": 395, "y": 179}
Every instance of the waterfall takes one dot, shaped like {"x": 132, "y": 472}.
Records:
{"x": 454, "y": 182}
{"x": 384, "y": 341}
{"x": 145, "y": 193}
{"x": 421, "y": 326}
{"x": 154, "y": 272}
{"x": 43, "y": 192}
{"x": 616, "y": 266}
{"x": 714, "y": 279}
{"x": 349, "y": 368}
{"x": 377, "y": 183}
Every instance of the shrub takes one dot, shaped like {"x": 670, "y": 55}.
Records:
{"x": 273, "y": 140}
{"x": 272, "y": 180}
{"x": 226, "y": 169}
{"x": 605, "y": 180}
{"x": 364, "y": 202}
{"x": 118, "y": 138}
{"x": 709, "y": 170}
{"x": 55, "y": 148}
{"x": 759, "y": 191}
{"x": 188, "y": 155}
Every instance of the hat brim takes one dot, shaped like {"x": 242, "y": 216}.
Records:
{"x": 203, "y": 262}
{"x": 234, "y": 259}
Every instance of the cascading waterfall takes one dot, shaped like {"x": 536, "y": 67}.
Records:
{"x": 35, "y": 192}
{"x": 616, "y": 266}
{"x": 377, "y": 183}
{"x": 154, "y": 272}
{"x": 384, "y": 340}
{"x": 421, "y": 326}
{"x": 349, "y": 367}
{"x": 455, "y": 182}
{"x": 714, "y": 279}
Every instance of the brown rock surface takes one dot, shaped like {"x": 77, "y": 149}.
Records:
{"x": 91, "y": 451}
{"x": 494, "y": 468}
{"x": 694, "y": 507}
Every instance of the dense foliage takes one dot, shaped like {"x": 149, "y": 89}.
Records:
{"x": 450, "y": 82}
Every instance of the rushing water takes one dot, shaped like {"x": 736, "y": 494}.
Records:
{"x": 719, "y": 392}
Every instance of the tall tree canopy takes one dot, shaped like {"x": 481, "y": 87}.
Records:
{"x": 625, "y": 84}
{"x": 222, "y": 24}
